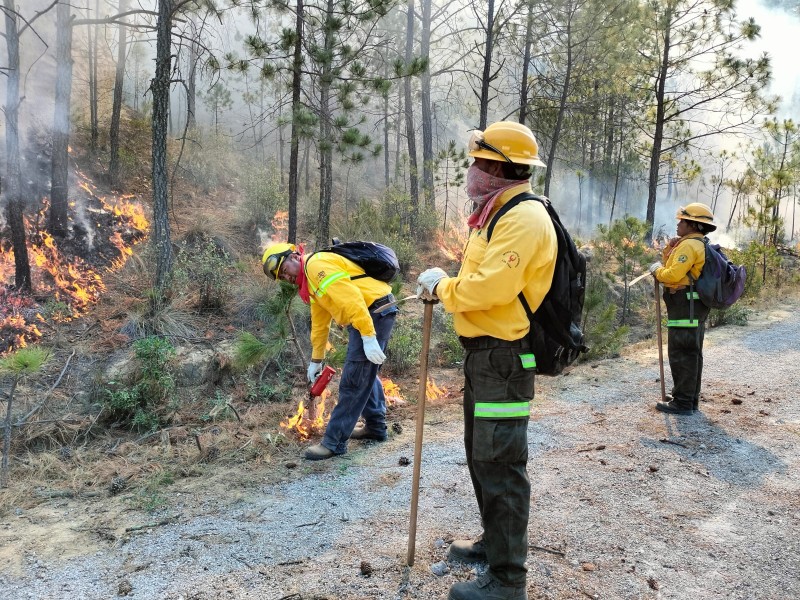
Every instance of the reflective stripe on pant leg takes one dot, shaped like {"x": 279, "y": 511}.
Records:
{"x": 499, "y": 457}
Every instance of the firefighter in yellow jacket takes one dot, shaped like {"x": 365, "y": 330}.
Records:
{"x": 499, "y": 367}
{"x": 684, "y": 258}
{"x": 338, "y": 290}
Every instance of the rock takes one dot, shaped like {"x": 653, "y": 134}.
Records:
{"x": 124, "y": 588}
{"x": 587, "y": 566}
{"x": 440, "y": 568}
{"x": 404, "y": 461}
{"x": 366, "y": 568}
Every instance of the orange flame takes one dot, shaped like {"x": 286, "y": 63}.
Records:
{"x": 308, "y": 421}
{"x": 280, "y": 226}
{"x": 433, "y": 391}
{"x": 392, "y": 392}
{"x": 452, "y": 242}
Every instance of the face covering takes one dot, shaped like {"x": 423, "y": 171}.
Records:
{"x": 484, "y": 189}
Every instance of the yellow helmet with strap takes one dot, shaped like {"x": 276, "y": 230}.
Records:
{"x": 699, "y": 212}
{"x": 273, "y": 257}
{"x": 506, "y": 141}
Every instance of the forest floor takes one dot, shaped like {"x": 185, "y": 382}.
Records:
{"x": 626, "y": 502}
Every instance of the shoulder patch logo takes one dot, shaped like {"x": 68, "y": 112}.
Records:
{"x": 682, "y": 258}
{"x": 511, "y": 259}
{"x": 320, "y": 275}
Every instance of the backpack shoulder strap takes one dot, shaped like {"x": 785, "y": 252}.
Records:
{"x": 511, "y": 204}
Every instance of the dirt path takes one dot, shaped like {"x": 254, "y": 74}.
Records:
{"x": 627, "y": 502}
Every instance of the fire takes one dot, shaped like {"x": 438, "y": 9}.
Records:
{"x": 66, "y": 278}
{"x": 392, "y": 392}
{"x": 433, "y": 391}
{"x": 308, "y": 421}
{"x": 280, "y": 226}
{"x": 452, "y": 242}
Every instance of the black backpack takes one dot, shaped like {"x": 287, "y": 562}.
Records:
{"x": 555, "y": 337}
{"x": 721, "y": 282}
{"x": 378, "y": 261}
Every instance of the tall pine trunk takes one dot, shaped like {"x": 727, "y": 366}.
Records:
{"x": 159, "y": 88}
{"x": 294, "y": 148}
{"x": 409, "y": 113}
{"x": 14, "y": 208}
{"x": 59, "y": 191}
{"x": 427, "y": 118}
{"x": 116, "y": 109}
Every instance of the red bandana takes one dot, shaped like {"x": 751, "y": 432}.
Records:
{"x": 484, "y": 190}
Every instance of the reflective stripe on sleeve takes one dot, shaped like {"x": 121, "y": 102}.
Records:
{"x": 326, "y": 283}
{"x": 692, "y": 296}
{"x": 502, "y": 410}
{"x": 682, "y": 323}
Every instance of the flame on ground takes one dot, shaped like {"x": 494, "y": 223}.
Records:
{"x": 308, "y": 421}
{"x": 70, "y": 280}
{"x": 433, "y": 391}
{"x": 392, "y": 392}
{"x": 452, "y": 242}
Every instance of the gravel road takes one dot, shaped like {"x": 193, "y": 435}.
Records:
{"x": 626, "y": 502}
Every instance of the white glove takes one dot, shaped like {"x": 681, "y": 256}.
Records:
{"x": 314, "y": 369}
{"x": 429, "y": 279}
{"x": 655, "y": 266}
{"x": 373, "y": 349}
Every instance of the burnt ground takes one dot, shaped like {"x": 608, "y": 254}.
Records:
{"x": 626, "y": 502}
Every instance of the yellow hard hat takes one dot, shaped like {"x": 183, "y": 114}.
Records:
{"x": 697, "y": 211}
{"x": 506, "y": 141}
{"x": 273, "y": 257}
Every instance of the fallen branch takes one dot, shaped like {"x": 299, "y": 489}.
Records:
{"x": 546, "y": 549}
{"x": 40, "y": 406}
{"x": 166, "y": 521}
{"x": 666, "y": 441}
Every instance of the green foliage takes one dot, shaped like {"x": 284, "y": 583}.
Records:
{"x": 201, "y": 266}
{"x": 142, "y": 404}
{"x": 734, "y": 315}
{"x": 150, "y": 496}
{"x": 24, "y": 361}
{"x": 404, "y": 346}
{"x": 55, "y": 310}
{"x": 604, "y": 337}
{"x": 449, "y": 345}
{"x": 763, "y": 266}
{"x": 263, "y": 196}
{"x": 277, "y": 390}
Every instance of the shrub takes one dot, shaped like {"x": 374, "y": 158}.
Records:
{"x": 734, "y": 315}
{"x": 404, "y": 346}
{"x": 263, "y": 196}
{"x": 142, "y": 404}
{"x": 201, "y": 266}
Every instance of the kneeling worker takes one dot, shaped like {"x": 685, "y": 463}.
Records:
{"x": 328, "y": 282}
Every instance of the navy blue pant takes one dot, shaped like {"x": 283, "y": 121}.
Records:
{"x": 360, "y": 390}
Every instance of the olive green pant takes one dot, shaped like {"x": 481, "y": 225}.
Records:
{"x": 685, "y": 345}
{"x": 497, "y": 456}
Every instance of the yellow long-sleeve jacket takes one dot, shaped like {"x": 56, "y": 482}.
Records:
{"x": 335, "y": 296}
{"x": 687, "y": 257}
{"x": 520, "y": 257}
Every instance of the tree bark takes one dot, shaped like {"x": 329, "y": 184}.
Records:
{"x": 59, "y": 191}
{"x": 159, "y": 88}
{"x": 427, "y": 119}
{"x": 93, "y": 109}
{"x": 14, "y": 207}
{"x": 658, "y": 134}
{"x": 409, "y": 112}
{"x": 294, "y": 148}
{"x": 487, "y": 66}
{"x": 562, "y": 104}
{"x": 523, "y": 92}
{"x": 116, "y": 109}
{"x": 326, "y": 149}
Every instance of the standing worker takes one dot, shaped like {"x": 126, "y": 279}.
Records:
{"x": 338, "y": 289}
{"x": 499, "y": 367}
{"x": 684, "y": 257}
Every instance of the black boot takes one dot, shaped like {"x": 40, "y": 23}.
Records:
{"x": 467, "y": 551}
{"x": 673, "y": 407}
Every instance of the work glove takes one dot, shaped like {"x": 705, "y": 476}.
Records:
{"x": 429, "y": 279}
{"x": 314, "y": 369}
{"x": 655, "y": 266}
{"x": 373, "y": 349}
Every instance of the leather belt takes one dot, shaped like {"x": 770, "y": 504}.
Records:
{"x": 380, "y": 302}
{"x": 486, "y": 342}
